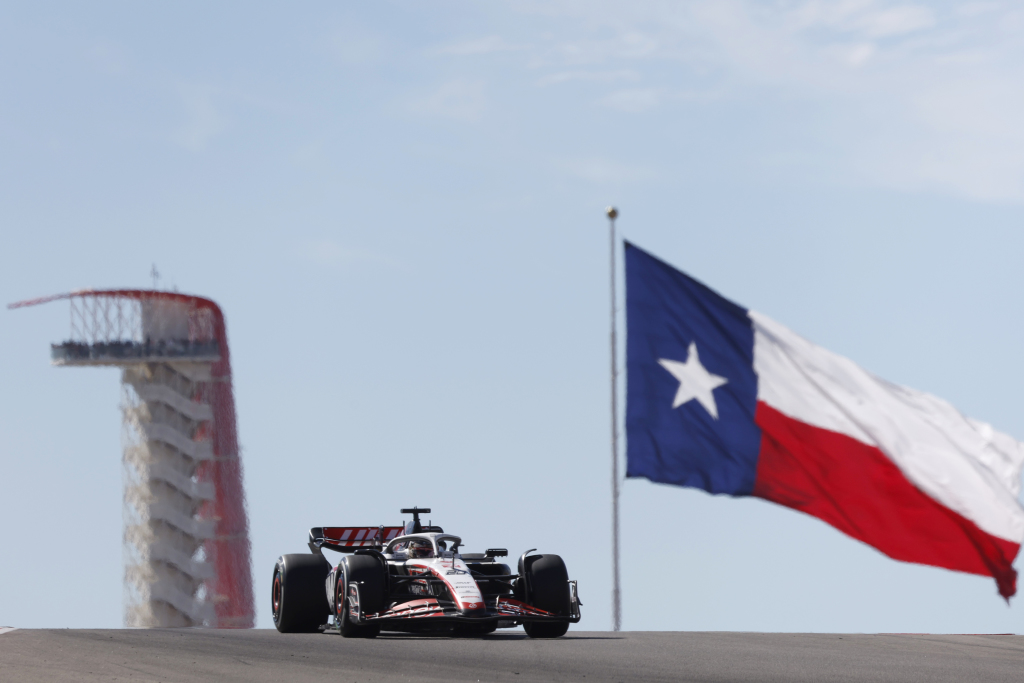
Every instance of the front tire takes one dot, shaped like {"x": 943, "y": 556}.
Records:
{"x": 548, "y": 582}
{"x": 366, "y": 570}
{"x": 298, "y": 599}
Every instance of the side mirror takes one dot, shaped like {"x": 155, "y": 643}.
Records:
{"x": 496, "y": 552}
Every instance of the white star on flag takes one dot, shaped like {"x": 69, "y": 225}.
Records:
{"x": 695, "y": 382}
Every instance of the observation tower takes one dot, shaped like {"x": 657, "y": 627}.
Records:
{"x": 186, "y": 534}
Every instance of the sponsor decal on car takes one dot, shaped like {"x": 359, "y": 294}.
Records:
{"x": 457, "y": 578}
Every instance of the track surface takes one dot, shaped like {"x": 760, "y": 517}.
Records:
{"x": 198, "y": 655}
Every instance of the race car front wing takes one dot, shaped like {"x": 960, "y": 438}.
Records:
{"x": 505, "y": 609}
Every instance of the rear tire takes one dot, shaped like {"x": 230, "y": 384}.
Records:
{"x": 548, "y": 583}
{"x": 299, "y": 594}
{"x": 366, "y": 570}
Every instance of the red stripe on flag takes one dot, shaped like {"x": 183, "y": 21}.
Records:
{"x": 858, "y": 490}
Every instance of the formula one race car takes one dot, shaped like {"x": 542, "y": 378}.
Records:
{"x": 414, "y": 578}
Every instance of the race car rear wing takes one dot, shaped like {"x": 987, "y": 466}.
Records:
{"x": 348, "y": 539}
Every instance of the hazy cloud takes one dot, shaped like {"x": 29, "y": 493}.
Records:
{"x": 924, "y": 96}
{"x": 204, "y": 119}
{"x": 461, "y": 100}
{"x": 857, "y": 55}
{"x": 480, "y": 46}
{"x": 592, "y": 76}
{"x": 633, "y": 101}
{"x": 868, "y": 17}
{"x": 355, "y": 45}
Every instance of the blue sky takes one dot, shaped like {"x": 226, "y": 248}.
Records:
{"x": 399, "y": 207}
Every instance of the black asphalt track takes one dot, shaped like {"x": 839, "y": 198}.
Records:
{"x": 27, "y": 656}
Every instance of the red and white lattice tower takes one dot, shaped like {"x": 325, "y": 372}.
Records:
{"x": 186, "y": 534}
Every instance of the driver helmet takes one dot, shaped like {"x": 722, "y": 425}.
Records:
{"x": 420, "y": 549}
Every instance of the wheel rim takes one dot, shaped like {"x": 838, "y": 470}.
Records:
{"x": 275, "y": 596}
{"x": 339, "y": 599}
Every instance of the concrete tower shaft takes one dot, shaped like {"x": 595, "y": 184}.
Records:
{"x": 185, "y": 528}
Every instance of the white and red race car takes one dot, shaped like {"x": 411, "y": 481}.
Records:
{"x": 414, "y": 578}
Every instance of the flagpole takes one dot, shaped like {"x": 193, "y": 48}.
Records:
{"x": 613, "y": 213}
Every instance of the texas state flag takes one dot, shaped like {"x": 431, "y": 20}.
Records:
{"x": 727, "y": 400}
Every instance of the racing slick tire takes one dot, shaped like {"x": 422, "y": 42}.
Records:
{"x": 367, "y": 571}
{"x": 548, "y": 590}
{"x": 298, "y": 599}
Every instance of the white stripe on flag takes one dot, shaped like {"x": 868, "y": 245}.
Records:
{"x": 961, "y": 463}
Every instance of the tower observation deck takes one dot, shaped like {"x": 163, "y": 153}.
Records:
{"x": 186, "y": 533}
